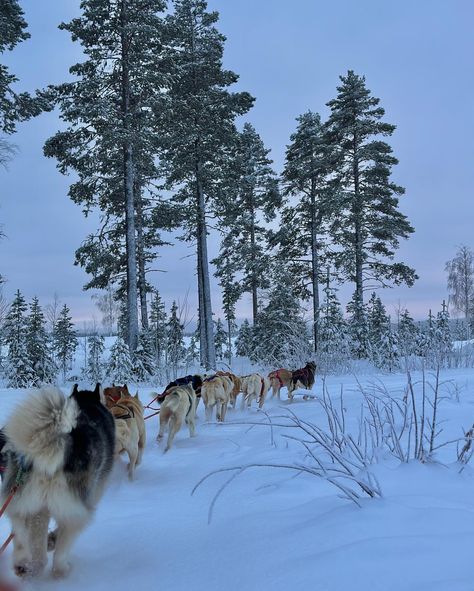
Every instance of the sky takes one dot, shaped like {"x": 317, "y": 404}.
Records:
{"x": 416, "y": 57}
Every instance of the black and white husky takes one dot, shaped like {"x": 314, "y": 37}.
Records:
{"x": 60, "y": 452}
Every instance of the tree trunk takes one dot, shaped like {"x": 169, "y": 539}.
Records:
{"x": 141, "y": 260}
{"x": 205, "y": 316}
{"x": 252, "y": 258}
{"x": 315, "y": 267}
{"x": 128, "y": 171}
{"x": 357, "y": 210}
{"x": 202, "y": 333}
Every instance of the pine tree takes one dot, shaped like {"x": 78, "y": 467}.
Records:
{"x": 302, "y": 237}
{"x": 280, "y": 335}
{"x": 250, "y": 196}
{"x": 143, "y": 358}
{"x": 333, "y": 349}
{"x": 231, "y": 291}
{"x": 443, "y": 342}
{"x": 158, "y": 320}
{"x": 175, "y": 340}
{"x": 220, "y": 339}
{"x": 14, "y": 106}
{"x": 408, "y": 335}
{"x": 199, "y": 130}
{"x": 120, "y": 366}
{"x": 368, "y": 226}
{"x": 38, "y": 346}
{"x": 18, "y": 369}
{"x": 244, "y": 341}
{"x": 358, "y": 330}
{"x": 64, "y": 340}
{"x": 95, "y": 362}
{"x": 192, "y": 352}
{"x": 113, "y": 109}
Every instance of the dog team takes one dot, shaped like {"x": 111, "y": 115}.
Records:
{"x": 57, "y": 452}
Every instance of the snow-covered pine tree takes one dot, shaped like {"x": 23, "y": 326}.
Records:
{"x": 280, "y": 335}
{"x": 334, "y": 345}
{"x": 369, "y": 225}
{"x": 220, "y": 338}
{"x": 443, "y": 342}
{"x": 38, "y": 346}
{"x": 112, "y": 109}
{"x": 120, "y": 365}
{"x": 157, "y": 328}
{"x": 143, "y": 358}
{"x": 64, "y": 340}
{"x": 408, "y": 335}
{"x": 18, "y": 370}
{"x": 192, "y": 351}
{"x": 14, "y": 106}
{"x": 244, "y": 341}
{"x": 231, "y": 292}
{"x": 198, "y": 131}
{"x": 250, "y": 197}
{"x": 175, "y": 339}
{"x": 302, "y": 237}
{"x": 358, "y": 329}
{"x": 95, "y": 362}
{"x": 383, "y": 344}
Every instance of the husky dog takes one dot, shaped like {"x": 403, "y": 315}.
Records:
{"x": 278, "y": 379}
{"x": 302, "y": 378}
{"x": 129, "y": 429}
{"x": 179, "y": 404}
{"x": 193, "y": 380}
{"x": 254, "y": 387}
{"x": 60, "y": 452}
{"x": 216, "y": 391}
{"x": 236, "y": 389}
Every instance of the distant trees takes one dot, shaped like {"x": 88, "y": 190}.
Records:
{"x": 460, "y": 271}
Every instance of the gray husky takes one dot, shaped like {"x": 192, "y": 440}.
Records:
{"x": 60, "y": 452}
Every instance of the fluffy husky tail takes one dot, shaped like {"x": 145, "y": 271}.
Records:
{"x": 38, "y": 427}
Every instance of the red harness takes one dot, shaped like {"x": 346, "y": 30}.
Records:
{"x": 277, "y": 376}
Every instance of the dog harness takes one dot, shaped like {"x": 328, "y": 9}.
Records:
{"x": 129, "y": 412}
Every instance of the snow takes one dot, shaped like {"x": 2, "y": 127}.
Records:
{"x": 272, "y": 528}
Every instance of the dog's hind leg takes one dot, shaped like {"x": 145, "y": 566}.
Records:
{"x": 132, "y": 456}
{"x": 191, "y": 425}
{"x": 175, "y": 426}
{"x": 66, "y": 533}
{"x": 30, "y": 543}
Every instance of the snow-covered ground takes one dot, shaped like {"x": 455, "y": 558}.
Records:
{"x": 274, "y": 529}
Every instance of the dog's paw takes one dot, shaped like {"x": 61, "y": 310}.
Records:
{"x": 61, "y": 571}
{"x": 28, "y": 569}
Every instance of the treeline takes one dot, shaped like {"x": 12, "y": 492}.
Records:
{"x": 151, "y": 135}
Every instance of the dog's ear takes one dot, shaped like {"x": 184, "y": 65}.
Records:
{"x": 136, "y": 395}
{"x": 97, "y": 389}
{"x": 75, "y": 389}
{"x": 125, "y": 387}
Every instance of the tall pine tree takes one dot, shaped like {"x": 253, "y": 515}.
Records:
{"x": 302, "y": 237}
{"x": 369, "y": 225}
{"x": 111, "y": 141}
{"x": 199, "y": 129}
{"x": 250, "y": 197}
